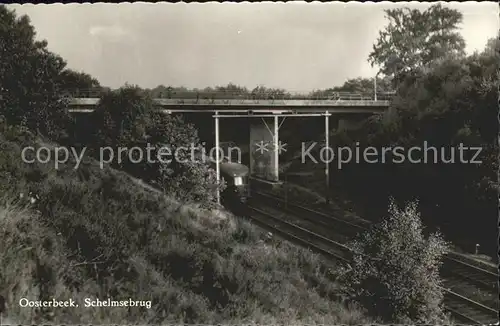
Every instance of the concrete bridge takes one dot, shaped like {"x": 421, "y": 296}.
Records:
{"x": 248, "y": 105}
{"x": 268, "y": 110}
{"x": 84, "y": 100}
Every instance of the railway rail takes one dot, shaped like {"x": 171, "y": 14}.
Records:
{"x": 461, "y": 307}
{"x": 481, "y": 277}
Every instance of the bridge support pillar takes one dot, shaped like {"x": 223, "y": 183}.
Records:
{"x": 265, "y": 148}
{"x": 276, "y": 168}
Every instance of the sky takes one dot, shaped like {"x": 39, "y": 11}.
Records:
{"x": 296, "y": 46}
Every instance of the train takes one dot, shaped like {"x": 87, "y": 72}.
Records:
{"x": 235, "y": 176}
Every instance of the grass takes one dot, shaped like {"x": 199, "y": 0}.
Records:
{"x": 96, "y": 233}
{"x": 310, "y": 192}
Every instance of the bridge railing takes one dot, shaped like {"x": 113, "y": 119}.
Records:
{"x": 202, "y": 95}
{"x": 82, "y": 92}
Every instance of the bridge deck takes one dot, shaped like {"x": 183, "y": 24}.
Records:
{"x": 239, "y": 105}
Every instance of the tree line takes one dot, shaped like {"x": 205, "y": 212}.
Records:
{"x": 34, "y": 83}
{"x": 360, "y": 87}
{"x": 444, "y": 98}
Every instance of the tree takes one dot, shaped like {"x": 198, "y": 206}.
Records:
{"x": 187, "y": 176}
{"x": 74, "y": 83}
{"x": 450, "y": 102}
{"x": 28, "y": 78}
{"x": 126, "y": 118}
{"x": 262, "y": 92}
{"x": 160, "y": 91}
{"x": 414, "y": 39}
{"x": 231, "y": 89}
{"x": 395, "y": 269}
{"x": 358, "y": 85}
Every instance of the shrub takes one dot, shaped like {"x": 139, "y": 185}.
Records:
{"x": 400, "y": 280}
{"x": 126, "y": 118}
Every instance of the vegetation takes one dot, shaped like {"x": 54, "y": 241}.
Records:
{"x": 395, "y": 270}
{"x": 128, "y": 119}
{"x": 33, "y": 90}
{"x": 28, "y": 78}
{"x": 70, "y": 82}
{"x": 364, "y": 86}
{"x": 453, "y": 102}
{"x": 415, "y": 38}
{"x": 394, "y": 273}
{"x": 96, "y": 233}
{"x": 447, "y": 102}
{"x": 219, "y": 92}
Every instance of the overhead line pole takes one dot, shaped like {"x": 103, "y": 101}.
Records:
{"x": 327, "y": 163}
{"x": 375, "y": 86}
{"x": 217, "y": 158}
{"x": 276, "y": 148}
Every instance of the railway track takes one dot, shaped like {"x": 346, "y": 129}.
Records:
{"x": 483, "y": 278}
{"x": 458, "y": 272}
{"x": 327, "y": 247}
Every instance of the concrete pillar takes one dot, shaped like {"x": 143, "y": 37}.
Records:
{"x": 263, "y": 158}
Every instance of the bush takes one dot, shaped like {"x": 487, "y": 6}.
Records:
{"x": 400, "y": 280}
{"x": 126, "y": 118}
